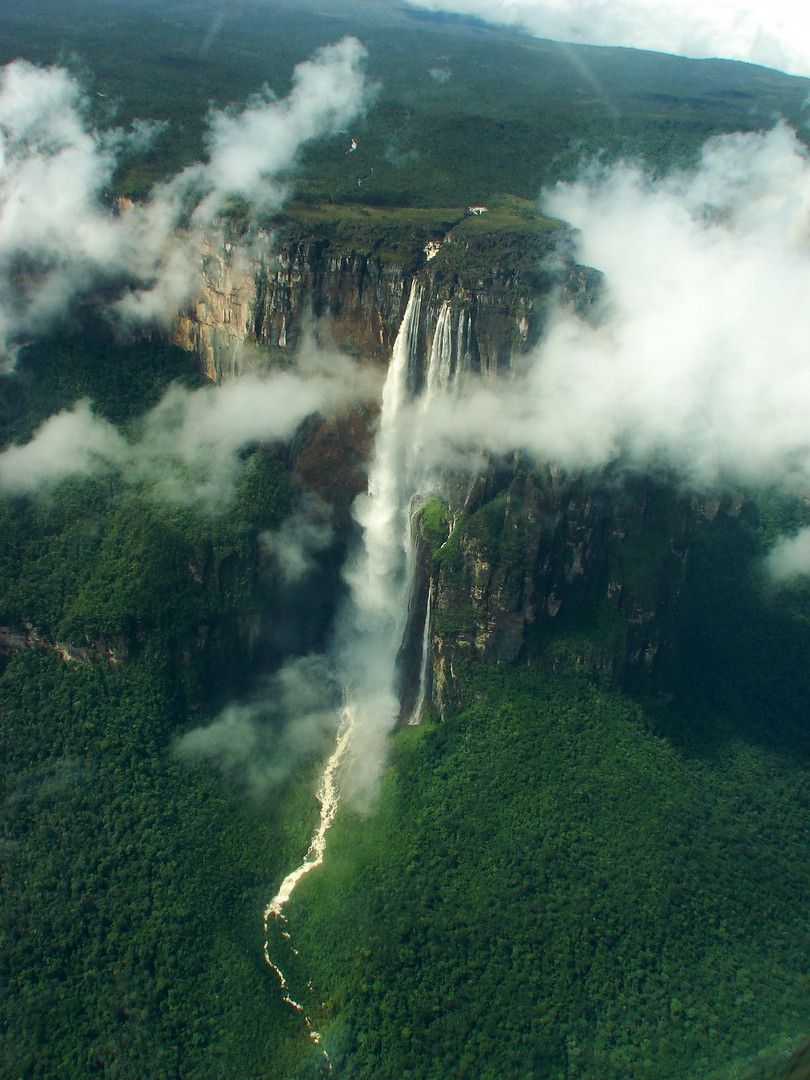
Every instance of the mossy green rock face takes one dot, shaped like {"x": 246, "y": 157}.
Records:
{"x": 581, "y": 573}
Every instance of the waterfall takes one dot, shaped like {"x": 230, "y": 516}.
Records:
{"x": 424, "y": 666}
{"x": 440, "y": 364}
{"x": 465, "y": 343}
{"x": 370, "y": 628}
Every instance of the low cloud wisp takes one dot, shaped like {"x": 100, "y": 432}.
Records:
{"x": 790, "y": 558}
{"x": 258, "y": 745}
{"x": 293, "y": 547}
{"x": 73, "y": 442}
{"x": 188, "y": 449}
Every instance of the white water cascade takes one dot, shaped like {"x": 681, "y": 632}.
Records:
{"x": 441, "y": 353}
{"x": 380, "y": 578}
{"x": 372, "y": 625}
{"x": 424, "y": 666}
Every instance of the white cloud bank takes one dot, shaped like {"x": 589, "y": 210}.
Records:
{"x": 775, "y": 33}
{"x": 698, "y": 358}
{"x": 58, "y": 237}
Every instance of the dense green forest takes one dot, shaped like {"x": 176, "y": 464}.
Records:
{"x": 564, "y": 877}
{"x": 551, "y": 888}
{"x": 131, "y": 879}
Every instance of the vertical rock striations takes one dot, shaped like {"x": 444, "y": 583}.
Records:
{"x": 261, "y": 299}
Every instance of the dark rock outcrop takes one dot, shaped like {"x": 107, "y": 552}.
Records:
{"x": 23, "y": 636}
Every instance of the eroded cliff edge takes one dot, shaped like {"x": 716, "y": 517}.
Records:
{"x": 265, "y": 293}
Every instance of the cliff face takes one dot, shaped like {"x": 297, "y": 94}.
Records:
{"x": 572, "y": 572}
{"x": 258, "y": 305}
{"x": 259, "y": 302}
{"x": 216, "y": 327}
{"x": 577, "y": 574}
{"x": 265, "y": 300}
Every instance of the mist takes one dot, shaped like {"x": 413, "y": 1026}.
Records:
{"x": 60, "y": 237}
{"x": 295, "y": 545}
{"x": 790, "y": 558}
{"x": 188, "y": 448}
{"x": 260, "y": 744}
{"x": 774, "y": 34}
{"x": 73, "y": 442}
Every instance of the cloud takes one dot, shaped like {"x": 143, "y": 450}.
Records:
{"x": 774, "y": 34}
{"x": 143, "y": 134}
{"x": 305, "y": 533}
{"x": 249, "y": 149}
{"x": 696, "y": 357}
{"x": 790, "y": 557}
{"x": 191, "y": 443}
{"x": 257, "y": 745}
{"x": 59, "y": 237}
{"x": 74, "y": 442}
{"x": 54, "y": 235}
{"x": 189, "y": 447}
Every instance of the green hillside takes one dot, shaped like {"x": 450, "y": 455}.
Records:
{"x": 462, "y": 111}
{"x": 552, "y": 889}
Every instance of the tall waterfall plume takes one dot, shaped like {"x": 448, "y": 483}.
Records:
{"x": 372, "y": 624}
{"x": 380, "y": 578}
